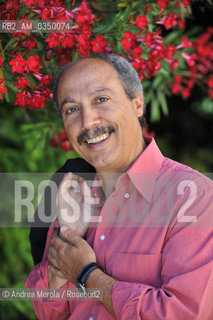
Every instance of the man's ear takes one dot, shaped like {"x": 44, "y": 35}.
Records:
{"x": 138, "y": 104}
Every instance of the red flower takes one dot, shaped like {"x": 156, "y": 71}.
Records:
{"x": 53, "y": 40}
{"x": 21, "y": 83}
{"x": 163, "y": 3}
{"x": 173, "y": 63}
{"x": 54, "y": 142}
{"x": 2, "y": 90}
{"x": 137, "y": 63}
{"x": 158, "y": 51}
{"x": 148, "y": 133}
{"x": 171, "y": 50}
{"x": 37, "y": 101}
{"x": 29, "y": 3}
{"x": 45, "y": 80}
{"x": 63, "y": 136}
{"x": 32, "y": 64}
{"x": 210, "y": 82}
{"x": 151, "y": 38}
{"x": 147, "y": 8}
{"x": 210, "y": 93}
{"x": 141, "y": 22}
{"x": 84, "y": 46}
{"x": 99, "y": 44}
{"x": 84, "y": 14}
{"x": 169, "y": 21}
{"x": 29, "y": 43}
{"x": 176, "y": 84}
{"x": 18, "y": 64}
{"x": 185, "y": 43}
{"x": 129, "y": 41}
{"x": 12, "y": 5}
{"x": 186, "y": 92}
{"x": 55, "y": 13}
{"x": 64, "y": 55}
{"x": 22, "y": 99}
{"x": 136, "y": 52}
{"x": 1, "y": 61}
{"x": 152, "y": 66}
{"x": 17, "y": 35}
{"x": 185, "y": 2}
{"x": 68, "y": 40}
{"x": 65, "y": 145}
{"x": 190, "y": 59}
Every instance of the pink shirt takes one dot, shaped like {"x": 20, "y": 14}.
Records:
{"x": 159, "y": 246}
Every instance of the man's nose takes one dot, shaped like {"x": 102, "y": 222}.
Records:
{"x": 90, "y": 117}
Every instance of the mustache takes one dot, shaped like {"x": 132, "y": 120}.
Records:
{"x": 90, "y": 133}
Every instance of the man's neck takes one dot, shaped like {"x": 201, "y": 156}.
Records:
{"x": 109, "y": 179}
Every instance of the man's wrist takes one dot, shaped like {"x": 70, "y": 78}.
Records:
{"x": 97, "y": 279}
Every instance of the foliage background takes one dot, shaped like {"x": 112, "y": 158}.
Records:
{"x": 185, "y": 134}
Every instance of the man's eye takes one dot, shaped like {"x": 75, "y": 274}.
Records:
{"x": 70, "y": 110}
{"x": 102, "y": 99}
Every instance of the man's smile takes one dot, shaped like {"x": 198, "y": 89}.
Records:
{"x": 98, "y": 138}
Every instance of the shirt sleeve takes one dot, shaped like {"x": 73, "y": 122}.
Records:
{"x": 46, "y": 309}
{"x": 186, "y": 288}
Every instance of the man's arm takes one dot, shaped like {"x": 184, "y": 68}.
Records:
{"x": 46, "y": 309}
{"x": 39, "y": 229}
{"x": 186, "y": 275}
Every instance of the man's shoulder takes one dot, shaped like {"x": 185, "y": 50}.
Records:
{"x": 181, "y": 172}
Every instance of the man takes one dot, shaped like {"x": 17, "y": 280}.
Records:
{"x": 151, "y": 251}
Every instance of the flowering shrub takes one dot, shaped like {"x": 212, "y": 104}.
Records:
{"x": 151, "y": 36}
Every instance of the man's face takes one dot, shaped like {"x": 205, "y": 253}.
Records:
{"x": 100, "y": 120}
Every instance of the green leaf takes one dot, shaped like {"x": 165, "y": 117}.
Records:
{"x": 33, "y": 126}
{"x": 9, "y": 43}
{"x": 173, "y": 36}
{"x": 107, "y": 25}
{"x": 157, "y": 81}
{"x": 148, "y": 96}
{"x": 194, "y": 31}
{"x": 125, "y": 16}
{"x": 163, "y": 102}
{"x": 155, "y": 110}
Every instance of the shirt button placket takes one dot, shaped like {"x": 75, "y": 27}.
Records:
{"x": 102, "y": 237}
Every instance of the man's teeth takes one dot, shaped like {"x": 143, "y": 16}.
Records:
{"x": 99, "y": 138}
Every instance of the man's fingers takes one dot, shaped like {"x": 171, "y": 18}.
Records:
{"x": 54, "y": 234}
{"x": 52, "y": 251}
{"x": 85, "y": 190}
{"x": 56, "y": 271}
{"x": 53, "y": 257}
{"x": 71, "y": 236}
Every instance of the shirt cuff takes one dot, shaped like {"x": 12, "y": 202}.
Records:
{"x": 38, "y": 279}
{"x": 125, "y": 298}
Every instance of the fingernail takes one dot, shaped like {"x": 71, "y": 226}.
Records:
{"x": 64, "y": 228}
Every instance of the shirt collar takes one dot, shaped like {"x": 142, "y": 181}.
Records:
{"x": 145, "y": 169}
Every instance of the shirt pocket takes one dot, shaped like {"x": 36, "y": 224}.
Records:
{"x": 138, "y": 268}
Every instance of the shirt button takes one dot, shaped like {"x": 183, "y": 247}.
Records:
{"x": 126, "y": 195}
{"x": 102, "y": 237}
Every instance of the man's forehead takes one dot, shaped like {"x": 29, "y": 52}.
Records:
{"x": 89, "y": 65}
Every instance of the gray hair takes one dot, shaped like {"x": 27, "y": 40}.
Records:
{"x": 126, "y": 74}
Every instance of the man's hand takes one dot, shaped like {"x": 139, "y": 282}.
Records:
{"x": 67, "y": 258}
{"x": 55, "y": 282}
{"x": 73, "y": 201}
